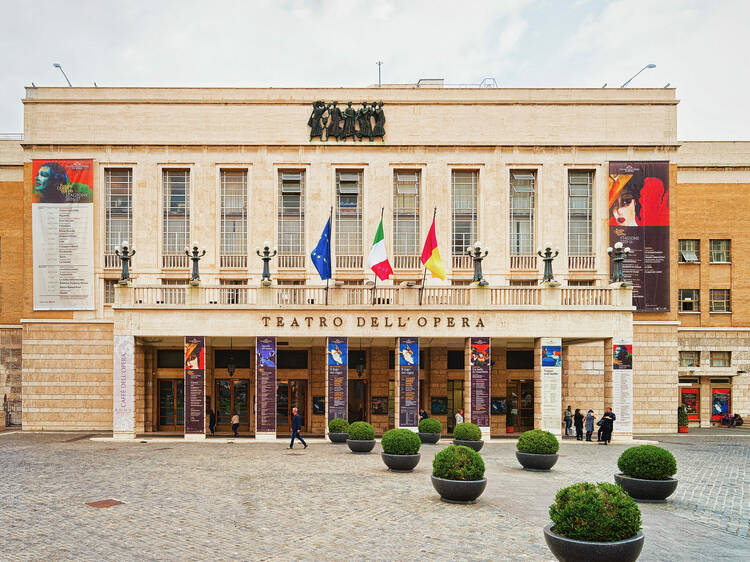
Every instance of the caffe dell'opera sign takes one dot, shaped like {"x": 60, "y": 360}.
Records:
{"x": 372, "y": 322}
{"x": 329, "y": 121}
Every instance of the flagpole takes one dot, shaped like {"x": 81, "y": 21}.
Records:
{"x": 376, "y": 275}
{"x": 330, "y": 234}
{"x": 424, "y": 274}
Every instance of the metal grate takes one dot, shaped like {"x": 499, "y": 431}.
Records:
{"x": 118, "y": 212}
{"x": 522, "y": 188}
{"x": 234, "y": 217}
{"x": 176, "y": 212}
{"x": 579, "y": 212}
{"x": 349, "y": 214}
{"x": 464, "y": 195}
{"x": 406, "y": 218}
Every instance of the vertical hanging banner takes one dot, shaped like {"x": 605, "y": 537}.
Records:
{"x": 551, "y": 358}
{"x": 480, "y": 382}
{"x": 123, "y": 387}
{"x": 622, "y": 384}
{"x": 639, "y": 218}
{"x": 62, "y": 227}
{"x": 337, "y": 364}
{"x": 195, "y": 385}
{"x": 408, "y": 383}
{"x": 265, "y": 385}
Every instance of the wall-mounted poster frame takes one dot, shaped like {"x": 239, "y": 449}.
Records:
{"x": 690, "y": 398}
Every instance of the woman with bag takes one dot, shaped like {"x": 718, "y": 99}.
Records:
{"x": 578, "y": 422}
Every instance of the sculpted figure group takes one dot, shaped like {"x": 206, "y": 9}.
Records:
{"x": 328, "y": 121}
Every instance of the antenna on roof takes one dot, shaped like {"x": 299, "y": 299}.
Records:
{"x": 379, "y": 63}
{"x": 58, "y": 65}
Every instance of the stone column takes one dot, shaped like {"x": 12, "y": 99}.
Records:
{"x": 607, "y": 376}
{"x": 123, "y": 388}
{"x": 705, "y": 401}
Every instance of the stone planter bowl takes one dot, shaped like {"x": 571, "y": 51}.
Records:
{"x": 430, "y": 438}
{"x": 459, "y": 491}
{"x": 476, "y": 445}
{"x": 361, "y": 445}
{"x": 338, "y": 437}
{"x": 536, "y": 462}
{"x": 571, "y": 550}
{"x": 647, "y": 491}
{"x": 401, "y": 463}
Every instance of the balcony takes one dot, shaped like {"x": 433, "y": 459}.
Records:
{"x": 291, "y": 261}
{"x": 174, "y": 261}
{"x": 462, "y": 261}
{"x": 349, "y": 262}
{"x": 112, "y": 261}
{"x": 233, "y": 261}
{"x": 408, "y": 262}
{"x": 523, "y": 263}
{"x": 581, "y": 263}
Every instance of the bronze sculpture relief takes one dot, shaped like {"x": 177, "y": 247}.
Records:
{"x": 366, "y": 122}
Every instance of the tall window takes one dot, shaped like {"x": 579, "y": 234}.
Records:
{"x": 689, "y": 250}
{"x": 118, "y": 197}
{"x": 522, "y": 188}
{"x": 579, "y": 213}
{"x": 109, "y": 291}
{"x": 348, "y": 213}
{"x": 465, "y": 228}
{"x": 406, "y": 213}
{"x": 176, "y": 203}
{"x": 233, "y": 212}
{"x": 291, "y": 213}
{"x": 720, "y": 251}
{"x": 720, "y": 300}
{"x": 689, "y": 300}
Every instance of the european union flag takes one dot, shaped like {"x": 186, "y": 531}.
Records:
{"x": 321, "y": 255}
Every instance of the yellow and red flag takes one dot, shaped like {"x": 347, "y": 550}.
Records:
{"x": 431, "y": 255}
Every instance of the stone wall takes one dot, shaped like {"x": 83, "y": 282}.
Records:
{"x": 655, "y": 391}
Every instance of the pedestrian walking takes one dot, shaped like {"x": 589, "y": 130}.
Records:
{"x": 296, "y": 426}
{"x": 212, "y": 421}
{"x": 578, "y": 422}
{"x": 235, "y": 423}
{"x": 568, "y": 419}
{"x": 608, "y": 424}
{"x": 459, "y": 416}
{"x": 590, "y": 417}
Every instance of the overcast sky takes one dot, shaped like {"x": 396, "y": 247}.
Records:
{"x": 701, "y": 48}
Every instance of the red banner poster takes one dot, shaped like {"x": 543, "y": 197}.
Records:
{"x": 195, "y": 385}
{"x": 480, "y": 381}
{"x": 63, "y": 181}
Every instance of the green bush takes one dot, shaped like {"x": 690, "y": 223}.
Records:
{"x": 467, "y": 432}
{"x": 457, "y": 462}
{"x": 682, "y": 417}
{"x": 647, "y": 462}
{"x": 338, "y": 425}
{"x": 400, "y": 442}
{"x": 361, "y": 431}
{"x": 600, "y": 512}
{"x": 538, "y": 442}
{"x": 430, "y": 425}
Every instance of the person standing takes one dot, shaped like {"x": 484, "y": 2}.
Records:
{"x": 459, "y": 416}
{"x": 608, "y": 424}
{"x": 568, "y": 418}
{"x": 212, "y": 421}
{"x": 590, "y": 417}
{"x": 422, "y": 414}
{"x": 296, "y": 426}
{"x": 235, "y": 423}
{"x": 578, "y": 421}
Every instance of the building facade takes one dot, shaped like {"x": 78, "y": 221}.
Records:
{"x": 234, "y": 170}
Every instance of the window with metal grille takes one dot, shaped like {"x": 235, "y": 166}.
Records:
{"x": 579, "y": 212}
{"x": 176, "y": 204}
{"x": 109, "y": 291}
{"x": 291, "y": 213}
{"x": 689, "y": 251}
{"x": 405, "y": 212}
{"x": 522, "y": 188}
{"x": 465, "y": 227}
{"x": 689, "y": 300}
{"x": 581, "y": 283}
{"x": 349, "y": 213}
{"x": 721, "y": 359}
{"x": 118, "y": 207}
{"x": 720, "y": 300}
{"x": 233, "y": 212}
{"x": 720, "y": 251}
{"x": 690, "y": 358}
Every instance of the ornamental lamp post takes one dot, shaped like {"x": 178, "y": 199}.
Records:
{"x": 266, "y": 256}
{"x": 547, "y": 256}
{"x": 477, "y": 254}
{"x": 195, "y": 255}
{"x": 125, "y": 253}
{"x": 618, "y": 256}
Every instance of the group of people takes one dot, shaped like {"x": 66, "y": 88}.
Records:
{"x": 605, "y": 424}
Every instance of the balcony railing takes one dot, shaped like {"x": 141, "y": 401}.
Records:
{"x": 523, "y": 263}
{"x": 581, "y": 263}
{"x": 112, "y": 261}
{"x": 174, "y": 261}
{"x": 233, "y": 261}
{"x": 349, "y": 262}
{"x": 462, "y": 261}
{"x": 291, "y": 262}
{"x": 454, "y": 296}
{"x": 509, "y": 296}
{"x": 300, "y": 295}
{"x": 406, "y": 262}
{"x": 586, "y": 296}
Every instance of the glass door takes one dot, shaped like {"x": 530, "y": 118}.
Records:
{"x": 232, "y": 396}
{"x": 520, "y": 410}
{"x": 290, "y": 394}
{"x": 455, "y": 401}
{"x": 171, "y": 404}
{"x": 357, "y": 401}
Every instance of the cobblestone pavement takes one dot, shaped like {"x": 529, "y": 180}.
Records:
{"x": 190, "y": 501}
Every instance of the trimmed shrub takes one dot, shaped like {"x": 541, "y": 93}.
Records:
{"x": 600, "y": 512}
{"x": 467, "y": 432}
{"x": 338, "y": 425}
{"x": 647, "y": 462}
{"x": 457, "y": 462}
{"x": 538, "y": 442}
{"x": 400, "y": 442}
{"x": 430, "y": 425}
{"x": 361, "y": 431}
{"x": 682, "y": 417}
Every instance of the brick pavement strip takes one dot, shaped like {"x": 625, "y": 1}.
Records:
{"x": 193, "y": 500}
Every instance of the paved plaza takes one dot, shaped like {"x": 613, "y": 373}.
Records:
{"x": 253, "y": 501}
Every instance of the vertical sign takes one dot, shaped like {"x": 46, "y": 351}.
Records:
{"x": 408, "y": 382}
{"x": 551, "y": 358}
{"x": 639, "y": 218}
{"x": 195, "y": 385}
{"x": 265, "y": 385}
{"x": 62, "y": 219}
{"x": 480, "y": 382}
{"x": 622, "y": 384}
{"x": 123, "y": 407}
{"x": 337, "y": 363}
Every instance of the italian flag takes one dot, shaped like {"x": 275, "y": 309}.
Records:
{"x": 378, "y": 259}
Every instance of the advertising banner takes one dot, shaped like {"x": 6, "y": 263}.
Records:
{"x": 195, "y": 385}
{"x": 408, "y": 383}
{"x": 338, "y": 385}
{"x": 265, "y": 384}
{"x": 622, "y": 384}
{"x": 480, "y": 382}
{"x": 123, "y": 407}
{"x": 551, "y": 358}
{"x": 62, "y": 226}
{"x": 639, "y": 218}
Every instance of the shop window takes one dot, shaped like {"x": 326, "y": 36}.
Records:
{"x": 170, "y": 359}
{"x": 720, "y": 300}
{"x": 689, "y": 251}
{"x": 690, "y": 358}
{"x": 689, "y": 300}
{"x": 720, "y": 251}
{"x": 721, "y": 358}
{"x": 720, "y": 402}
{"x": 691, "y": 400}
{"x": 519, "y": 359}
{"x": 240, "y": 358}
{"x": 291, "y": 359}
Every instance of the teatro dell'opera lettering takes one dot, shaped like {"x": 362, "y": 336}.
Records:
{"x": 372, "y": 322}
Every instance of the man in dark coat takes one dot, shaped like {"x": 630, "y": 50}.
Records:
{"x": 296, "y": 426}
{"x": 608, "y": 425}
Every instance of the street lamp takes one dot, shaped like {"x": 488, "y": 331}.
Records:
{"x": 58, "y": 65}
{"x": 125, "y": 253}
{"x": 618, "y": 256}
{"x": 637, "y": 73}
{"x": 195, "y": 255}
{"x": 547, "y": 256}
{"x": 266, "y": 256}
{"x": 477, "y": 254}
{"x": 230, "y": 360}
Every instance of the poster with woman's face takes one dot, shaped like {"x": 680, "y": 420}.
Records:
{"x": 63, "y": 181}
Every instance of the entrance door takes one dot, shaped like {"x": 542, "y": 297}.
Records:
{"x": 455, "y": 401}
{"x": 232, "y": 396}
{"x": 290, "y": 394}
{"x": 171, "y": 404}
{"x": 357, "y": 401}
{"x": 520, "y": 414}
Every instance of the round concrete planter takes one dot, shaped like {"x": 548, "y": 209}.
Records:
{"x": 430, "y": 438}
{"x": 361, "y": 445}
{"x": 401, "y": 463}
{"x": 536, "y": 462}
{"x": 476, "y": 445}
{"x": 459, "y": 491}
{"x": 571, "y": 550}
{"x": 647, "y": 491}
{"x": 338, "y": 437}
